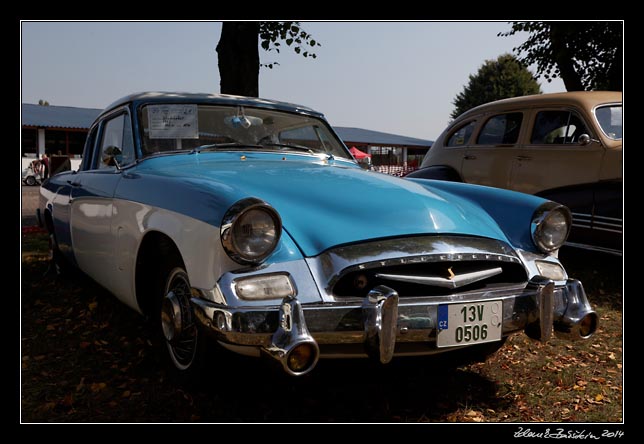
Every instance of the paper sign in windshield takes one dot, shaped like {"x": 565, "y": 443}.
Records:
{"x": 173, "y": 122}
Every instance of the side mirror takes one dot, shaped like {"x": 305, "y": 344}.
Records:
{"x": 585, "y": 139}
{"x": 112, "y": 156}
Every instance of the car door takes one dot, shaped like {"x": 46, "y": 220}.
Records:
{"x": 488, "y": 161}
{"x": 92, "y": 198}
{"x": 552, "y": 157}
{"x": 61, "y": 202}
{"x": 553, "y": 164}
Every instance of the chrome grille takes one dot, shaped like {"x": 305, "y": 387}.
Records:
{"x": 431, "y": 278}
{"x": 417, "y": 266}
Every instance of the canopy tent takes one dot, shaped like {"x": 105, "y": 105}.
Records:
{"x": 358, "y": 154}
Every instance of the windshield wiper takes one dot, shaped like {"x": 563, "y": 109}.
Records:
{"x": 290, "y": 146}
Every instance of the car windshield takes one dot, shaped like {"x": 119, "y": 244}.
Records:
{"x": 610, "y": 120}
{"x": 188, "y": 127}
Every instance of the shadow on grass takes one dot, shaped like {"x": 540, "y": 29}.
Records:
{"x": 89, "y": 358}
{"x": 601, "y": 273}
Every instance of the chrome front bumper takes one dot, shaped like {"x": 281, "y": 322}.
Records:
{"x": 383, "y": 325}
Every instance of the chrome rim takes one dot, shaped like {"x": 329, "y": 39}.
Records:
{"x": 177, "y": 323}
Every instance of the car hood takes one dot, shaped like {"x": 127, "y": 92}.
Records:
{"x": 324, "y": 205}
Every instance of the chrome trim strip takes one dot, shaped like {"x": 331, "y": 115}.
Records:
{"x": 595, "y": 227}
{"x": 616, "y": 219}
{"x": 578, "y": 216}
{"x": 451, "y": 282}
{"x": 607, "y": 229}
{"x": 594, "y": 248}
{"x": 607, "y": 224}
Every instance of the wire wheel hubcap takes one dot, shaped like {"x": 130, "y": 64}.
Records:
{"x": 177, "y": 323}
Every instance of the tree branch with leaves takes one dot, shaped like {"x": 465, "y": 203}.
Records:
{"x": 585, "y": 55}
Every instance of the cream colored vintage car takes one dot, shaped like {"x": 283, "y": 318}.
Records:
{"x": 566, "y": 147}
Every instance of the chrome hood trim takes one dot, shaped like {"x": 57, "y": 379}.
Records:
{"x": 454, "y": 281}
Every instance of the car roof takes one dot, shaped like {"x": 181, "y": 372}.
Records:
{"x": 207, "y": 98}
{"x": 584, "y": 99}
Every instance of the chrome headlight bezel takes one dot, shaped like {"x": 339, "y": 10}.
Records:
{"x": 231, "y": 222}
{"x": 541, "y": 226}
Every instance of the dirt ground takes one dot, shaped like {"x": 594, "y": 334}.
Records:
{"x": 85, "y": 357}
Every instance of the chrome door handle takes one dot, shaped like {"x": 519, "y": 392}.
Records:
{"x": 469, "y": 157}
{"x": 524, "y": 158}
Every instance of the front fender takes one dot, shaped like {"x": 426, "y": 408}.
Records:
{"x": 512, "y": 211}
{"x": 436, "y": 172}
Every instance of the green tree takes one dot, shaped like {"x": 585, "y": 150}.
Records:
{"x": 238, "y": 51}
{"x": 496, "y": 79}
{"x": 586, "y": 55}
{"x": 42, "y": 102}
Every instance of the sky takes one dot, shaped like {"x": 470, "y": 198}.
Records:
{"x": 395, "y": 77}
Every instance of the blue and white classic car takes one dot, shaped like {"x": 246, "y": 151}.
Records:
{"x": 248, "y": 221}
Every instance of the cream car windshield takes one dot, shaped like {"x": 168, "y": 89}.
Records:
{"x": 189, "y": 127}
{"x": 610, "y": 120}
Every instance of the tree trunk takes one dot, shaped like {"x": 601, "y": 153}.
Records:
{"x": 238, "y": 55}
{"x": 561, "y": 55}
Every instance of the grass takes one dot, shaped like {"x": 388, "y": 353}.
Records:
{"x": 88, "y": 358}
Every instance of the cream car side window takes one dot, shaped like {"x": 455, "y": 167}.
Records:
{"x": 502, "y": 129}
{"x": 557, "y": 128}
{"x": 462, "y": 135}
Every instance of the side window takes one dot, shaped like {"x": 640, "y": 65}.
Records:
{"x": 557, "y": 128}
{"x": 462, "y": 135}
{"x": 88, "y": 151}
{"x": 117, "y": 132}
{"x": 502, "y": 129}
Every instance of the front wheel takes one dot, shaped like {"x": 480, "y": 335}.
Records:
{"x": 31, "y": 181}
{"x": 177, "y": 324}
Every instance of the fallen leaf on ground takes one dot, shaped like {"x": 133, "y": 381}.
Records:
{"x": 97, "y": 386}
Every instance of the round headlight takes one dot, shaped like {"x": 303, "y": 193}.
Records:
{"x": 550, "y": 226}
{"x": 250, "y": 231}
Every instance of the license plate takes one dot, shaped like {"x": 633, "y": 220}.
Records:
{"x": 469, "y": 323}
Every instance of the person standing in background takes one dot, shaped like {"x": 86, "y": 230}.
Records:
{"x": 45, "y": 163}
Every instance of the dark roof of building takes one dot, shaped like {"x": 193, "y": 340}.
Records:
{"x": 58, "y": 116}
{"x": 369, "y": 137}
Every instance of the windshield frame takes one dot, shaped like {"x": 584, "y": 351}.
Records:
{"x": 601, "y": 128}
{"x": 139, "y": 128}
